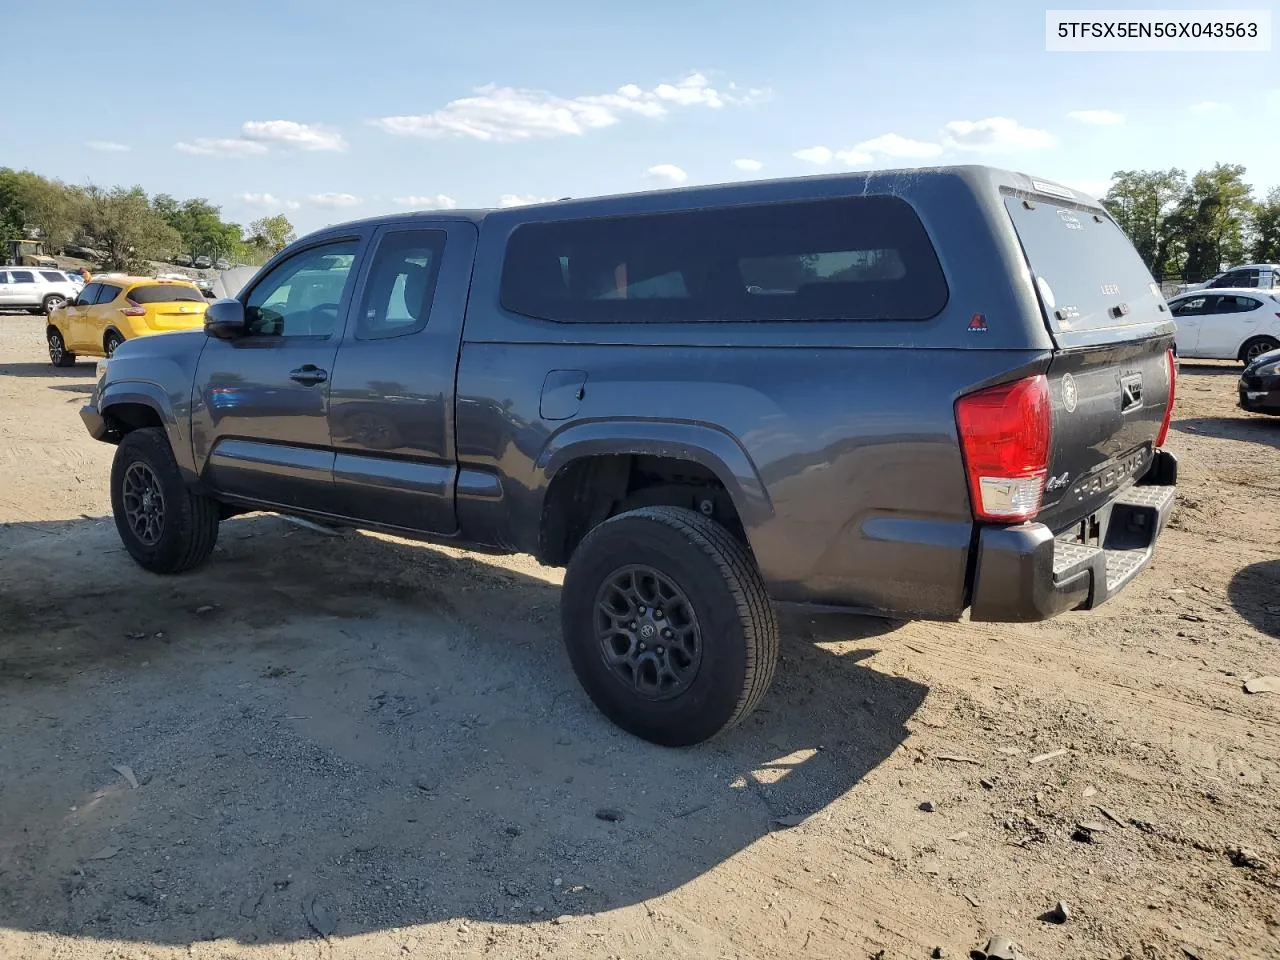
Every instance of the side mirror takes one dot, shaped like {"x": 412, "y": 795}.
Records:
{"x": 225, "y": 319}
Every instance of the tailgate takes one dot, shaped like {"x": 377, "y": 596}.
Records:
{"x": 1110, "y": 375}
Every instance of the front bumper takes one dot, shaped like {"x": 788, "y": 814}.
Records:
{"x": 1026, "y": 573}
{"x": 1260, "y": 394}
{"x": 93, "y": 421}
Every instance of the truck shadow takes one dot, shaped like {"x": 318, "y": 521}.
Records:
{"x": 1250, "y": 428}
{"x": 350, "y": 733}
{"x": 1254, "y": 592}
{"x": 1212, "y": 368}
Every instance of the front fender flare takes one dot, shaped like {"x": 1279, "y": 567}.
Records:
{"x": 711, "y": 447}
{"x": 151, "y": 395}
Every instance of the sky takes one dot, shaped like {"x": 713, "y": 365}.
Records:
{"x": 326, "y": 110}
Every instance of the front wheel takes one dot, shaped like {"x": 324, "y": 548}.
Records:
{"x": 59, "y": 355}
{"x": 52, "y": 302}
{"x": 1256, "y": 347}
{"x": 668, "y": 625}
{"x": 165, "y": 526}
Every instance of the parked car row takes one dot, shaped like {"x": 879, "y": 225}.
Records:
{"x": 201, "y": 262}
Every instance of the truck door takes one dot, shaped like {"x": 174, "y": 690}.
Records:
{"x": 260, "y": 403}
{"x": 391, "y": 414}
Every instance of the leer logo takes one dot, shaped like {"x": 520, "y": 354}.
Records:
{"x": 978, "y": 323}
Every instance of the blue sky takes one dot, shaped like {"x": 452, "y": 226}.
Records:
{"x": 329, "y": 110}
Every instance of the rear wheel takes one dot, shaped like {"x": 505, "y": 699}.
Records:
{"x": 165, "y": 526}
{"x": 59, "y": 355}
{"x": 111, "y": 342}
{"x": 1256, "y": 347}
{"x": 668, "y": 625}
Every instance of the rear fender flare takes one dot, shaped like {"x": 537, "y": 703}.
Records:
{"x": 715, "y": 449}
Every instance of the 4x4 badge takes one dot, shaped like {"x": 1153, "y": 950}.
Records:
{"x": 1069, "y": 395}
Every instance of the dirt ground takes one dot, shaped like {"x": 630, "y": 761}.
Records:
{"x": 383, "y": 742}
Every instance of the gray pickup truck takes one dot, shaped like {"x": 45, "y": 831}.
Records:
{"x": 909, "y": 393}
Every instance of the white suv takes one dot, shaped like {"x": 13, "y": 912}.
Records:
{"x": 34, "y": 288}
{"x": 1263, "y": 276}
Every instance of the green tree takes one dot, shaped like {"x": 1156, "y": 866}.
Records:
{"x": 272, "y": 233}
{"x": 127, "y": 226}
{"x": 30, "y": 200}
{"x": 1141, "y": 202}
{"x": 1266, "y": 229}
{"x": 12, "y": 218}
{"x": 1212, "y": 218}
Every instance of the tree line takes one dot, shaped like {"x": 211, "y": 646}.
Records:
{"x": 1183, "y": 227}
{"x": 1190, "y": 228}
{"x": 126, "y": 227}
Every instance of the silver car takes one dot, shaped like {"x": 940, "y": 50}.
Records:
{"x": 34, "y": 288}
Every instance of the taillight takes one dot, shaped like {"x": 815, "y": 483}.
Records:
{"x": 134, "y": 310}
{"x": 1168, "y": 409}
{"x": 1004, "y": 435}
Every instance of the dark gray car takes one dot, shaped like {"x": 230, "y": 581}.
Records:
{"x": 911, "y": 393}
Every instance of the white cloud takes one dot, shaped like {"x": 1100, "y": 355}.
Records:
{"x": 1208, "y": 106}
{"x": 108, "y": 146}
{"x": 1106, "y": 118}
{"x": 220, "y": 147}
{"x": 994, "y": 135}
{"x": 749, "y": 165}
{"x": 668, "y": 172}
{"x": 891, "y": 145}
{"x": 520, "y": 200}
{"x": 497, "y": 113}
{"x": 1094, "y": 188}
{"x": 440, "y": 201}
{"x": 333, "y": 200}
{"x": 693, "y": 90}
{"x": 289, "y": 133}
{"x": 818, "y": 155}
{"x": 293, "y": 204}
{"x": 261, "y": 200}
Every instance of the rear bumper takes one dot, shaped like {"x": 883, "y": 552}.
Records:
{"x": 1025, "y": 573}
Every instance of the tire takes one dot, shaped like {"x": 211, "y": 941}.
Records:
{"x": 186, "y": 523}
{"x": 1257, "y": 347}
{"x": 52, "y": 302}
{"x": 59, "y": 355}
{"x": 723, "y": 596}
{"x": 111, "y": 342}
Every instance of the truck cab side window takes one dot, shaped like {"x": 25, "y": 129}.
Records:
{"x": 401, "y": 285}
{"x": 301, "y": 296}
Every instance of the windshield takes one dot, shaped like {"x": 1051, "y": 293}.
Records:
{"x": 1088, "y": 274}
{"x": 165, "y": 293}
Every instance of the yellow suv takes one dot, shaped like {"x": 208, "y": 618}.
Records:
{"x": 115, "y": 308}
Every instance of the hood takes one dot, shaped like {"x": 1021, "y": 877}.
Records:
{"x": 1269, "y": 357}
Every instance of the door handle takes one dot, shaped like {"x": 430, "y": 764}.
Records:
{"x": 309, "y": 375}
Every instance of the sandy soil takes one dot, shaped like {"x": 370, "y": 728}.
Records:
{"x": 383, "y": 743}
